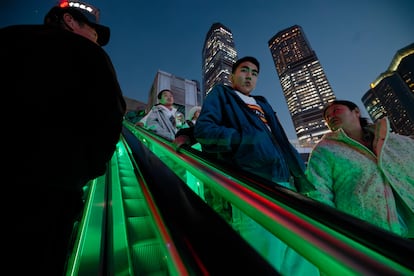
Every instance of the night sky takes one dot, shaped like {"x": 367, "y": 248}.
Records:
{"x": 355, "y": 41}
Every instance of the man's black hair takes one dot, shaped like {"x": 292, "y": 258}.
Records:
{"x": 162, "y": 91}
{"x": 243, "y": 59}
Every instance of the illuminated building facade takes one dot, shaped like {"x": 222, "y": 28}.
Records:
{"x": 304, "y": 83}
{"x": 392, "y": 93}
{"x": 218, "y": 56}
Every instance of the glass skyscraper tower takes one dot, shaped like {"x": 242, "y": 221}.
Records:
{"x": 304, "y": 83}
{"x": 392, "y": 93}
{"x": 219, "y": 54}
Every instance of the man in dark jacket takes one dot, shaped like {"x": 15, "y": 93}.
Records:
{"x": 66, "y": 120}
{"x": 243, "y": 131}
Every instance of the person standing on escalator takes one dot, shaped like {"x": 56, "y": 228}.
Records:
{"x": 364, "y": 169}
{"x": 59, "y": 76}
{"x": 163, "y": 119}
{"x": 243, "y": 131}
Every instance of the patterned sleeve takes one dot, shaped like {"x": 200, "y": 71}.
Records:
{"x": 319, "y": 173}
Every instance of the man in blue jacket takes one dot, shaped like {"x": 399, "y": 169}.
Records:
{"x": 243, "y": 131}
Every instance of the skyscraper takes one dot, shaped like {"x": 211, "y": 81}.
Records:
{"x": 392, "y": 93}
{"x": 218, "y": 56}
{"x": 304, "y": 83}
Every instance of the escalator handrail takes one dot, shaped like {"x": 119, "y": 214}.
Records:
{"x": 231, "y": 188}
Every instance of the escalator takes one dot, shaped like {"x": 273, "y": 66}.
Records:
{"x": 142, "y": 219}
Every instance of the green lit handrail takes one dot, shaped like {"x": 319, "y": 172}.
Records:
{"x": 86, "y": 257}
{"x": 329, "y": 249}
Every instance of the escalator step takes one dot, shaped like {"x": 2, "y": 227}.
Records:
{"x": 139, "y": 229}
{"x": 135, "y": 208}
{"x": 148, "y": 258}
{"x": 131, "y": 192}
{"x": 127, "y": 177}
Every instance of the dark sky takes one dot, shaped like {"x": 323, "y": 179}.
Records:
{"x": 355, "y": 41}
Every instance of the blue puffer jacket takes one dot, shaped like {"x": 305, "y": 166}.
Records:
{"x": 227, "y": 127}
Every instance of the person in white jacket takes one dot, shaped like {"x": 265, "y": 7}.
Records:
{"x": 162, "y": 117}
{"x": 165, "y": 120}
{"x": 364, "y": 169}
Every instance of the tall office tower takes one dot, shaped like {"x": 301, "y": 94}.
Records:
{"x": 184, "y": 91}
{"x": 200, "y": 97}
{"x": 219, "y": 54}
{"x": 304, "y": 83}
{"x": 392, "y": 93}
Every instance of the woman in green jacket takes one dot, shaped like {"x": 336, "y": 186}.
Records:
{"x": 364, "y": 169}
